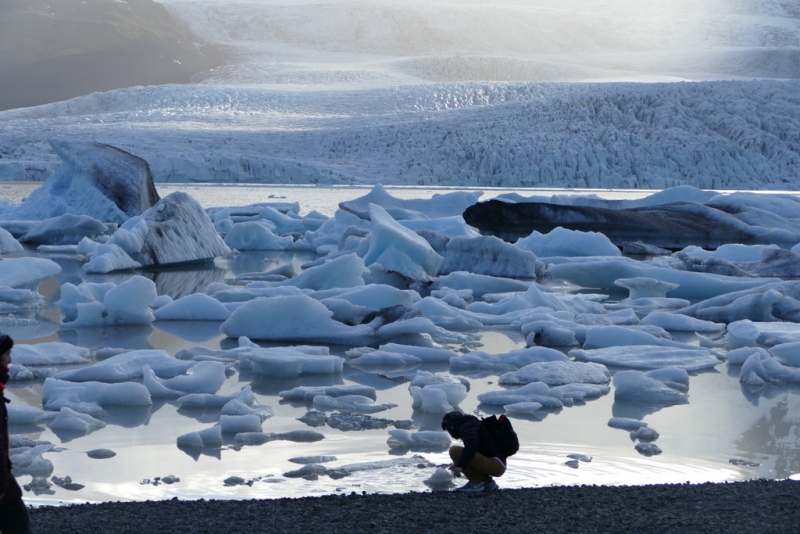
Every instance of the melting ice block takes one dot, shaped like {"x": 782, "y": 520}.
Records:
{"x": 444, "y": 205}
{"x": 49, "y": 353}
{"x": 253, "y": 235}
{"x": 289, "y": 361}
{"x": 509, "y": 361}
{"x": 194, "y": 307}
{"x": 488, "y": 255}
{"x": 27, "y": 273}
{"x": 293, "y": 318}
{"x": 764, "y": 303}
{"x": 88, "y": 397}
{"x": 176, "y": 230}
{"x": 479, "y": 284}
{"x": 602, "y": 273}
{"x": 307, "y": 393}
{"x": 636, "y": 386}
{"x": 207, "y": 438}
{"x": 398, "y": 249}
{"x": 71, "y": 421}
{"x": 680, "y": 323}
{"x": 348, "y": 403}
{"x": 538, "y": 392}
{"x": 563, "y": 242}
{"x": 107, "y": 258}
{"x": 202, "y": 377}
{"x": 28, "y": 414}
{"x": 67, "y": 229}
{"x": 645, "y": 287}
{"x": 8, "y": 243}
{"x": 128, "y": 366}
{"x": 558, "y": 373}
{"x": 108, "y": 304}
{"x": 760, "y": 369}
{"x": 650, "y": 357}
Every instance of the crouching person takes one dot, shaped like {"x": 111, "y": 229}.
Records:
{"x": 481, "y": 459}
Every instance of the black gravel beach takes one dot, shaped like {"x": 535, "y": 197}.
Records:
{"x": 760, "y": 506}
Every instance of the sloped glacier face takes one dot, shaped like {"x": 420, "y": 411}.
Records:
{"x": 710, "y": 135}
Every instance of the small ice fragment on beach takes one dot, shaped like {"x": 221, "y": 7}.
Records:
{"x": 308, "y": 472}
{"x": 440, "y": 480}
{"x": 648, "y": 449}
{"x": 572, "y": 463}
{"x": 101, "y": 454}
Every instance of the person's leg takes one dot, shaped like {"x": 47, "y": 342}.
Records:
{"x": 481, "y": 468}
{"x": 14, "y": 518}
{"x": 455, "y": 455}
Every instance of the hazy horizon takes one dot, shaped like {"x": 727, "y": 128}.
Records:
{"x": 508, "y": 40}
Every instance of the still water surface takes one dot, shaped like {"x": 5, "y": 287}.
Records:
{"x": 722, "y": 421}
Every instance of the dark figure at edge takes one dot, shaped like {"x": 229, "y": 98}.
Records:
{"x": 479, "y": 459}
{"x": 14, "y": 517}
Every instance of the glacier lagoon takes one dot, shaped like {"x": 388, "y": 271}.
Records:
{"x": 725, "y": 431}
{"x": 413, "y": 100}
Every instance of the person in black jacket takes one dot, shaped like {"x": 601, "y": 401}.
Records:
{"x": 479, "y": 459}
{"x": 14, "y": 517}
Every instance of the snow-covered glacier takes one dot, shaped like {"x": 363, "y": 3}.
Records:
{"x": 511, "y": 93}
{"x": 711, "y": 135}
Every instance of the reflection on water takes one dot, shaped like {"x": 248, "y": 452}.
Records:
{"x": 721, "y": 422}
{"x": 115, "y": 337}
{"x": 193, "y": 331}
{"x": 180, "y": 283}
{"x": 775, "y": 436}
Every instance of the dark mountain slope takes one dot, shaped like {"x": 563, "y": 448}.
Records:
{"x": 60, "y": 49}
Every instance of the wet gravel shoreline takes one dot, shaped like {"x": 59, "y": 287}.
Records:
{"x": 761, "y": 506}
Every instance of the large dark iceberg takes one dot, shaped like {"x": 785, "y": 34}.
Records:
{"x": 671, "y": 226}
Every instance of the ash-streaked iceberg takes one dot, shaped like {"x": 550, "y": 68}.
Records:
{"x": 95, "y": 179}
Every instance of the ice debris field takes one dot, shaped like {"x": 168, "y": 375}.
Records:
{"x": 382, "y": 308}
{"x": 167, "y": 348}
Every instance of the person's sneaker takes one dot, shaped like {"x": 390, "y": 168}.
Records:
{"x": 471, "y": 487}
{"x": 490, "y": 486}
